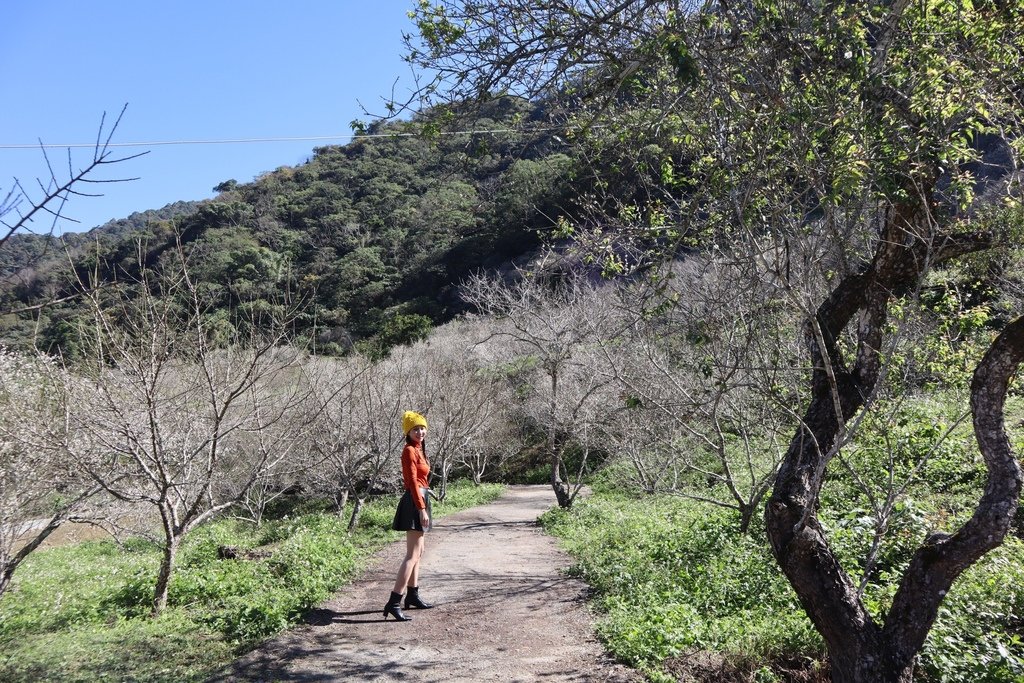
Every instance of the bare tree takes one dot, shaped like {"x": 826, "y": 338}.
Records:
{"x": 337, "y": 450}
{"x": 656, "y": 458}
{"x": 49, "y": 200}
{"x": 462, "y": 402}
{"x": 552, "y": 321}
{"x": 473, "y": 421}
{"x": 574, "y": 412}
{"x": 356, "y": 438}
{"x": 499, "y": 442}
{"x": 39, "y": 489}
{"x": 850, "y": 136}
{"x": 264, "y": 462}
{"x": 169, "y": 417}
{"x": 719, "y": 373}
{"x": 383, "y": 393}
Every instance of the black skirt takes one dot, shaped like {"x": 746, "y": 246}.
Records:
{"x": 407, "y": 516}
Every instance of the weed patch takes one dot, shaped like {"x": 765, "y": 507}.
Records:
{"x": 681, "y": 593}
{"x": 81, "y": 613}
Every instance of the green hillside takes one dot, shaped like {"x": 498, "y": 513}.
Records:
{"x": 371, "y": 238}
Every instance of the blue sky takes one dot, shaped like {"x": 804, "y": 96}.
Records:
{"x": 188, "y": 70}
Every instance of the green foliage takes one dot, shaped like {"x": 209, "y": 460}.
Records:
{"x": 977, "y": 636}
{"x": 405, "y": 329}
{"x": 233, "y": 267}
{"x": 463, "y": 494}
{"x": 614, "y": 479}
{"x": 69, "y": 587}
{"x": 378, "y": 514}
{"x": 170, "y": 649}
{"x": 373, "y": 236}
{"x": 672, "y": 576}
{"x": 927, "y": 441}
{"x": 539, "y": 473}
{"x": 247, "y": 601}
{"x": 920, "y": 445}
{"x": 955, "y": 317}
{"x": 434, "y": 25}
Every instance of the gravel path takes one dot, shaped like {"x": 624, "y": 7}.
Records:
{"x": 504, "y": 612}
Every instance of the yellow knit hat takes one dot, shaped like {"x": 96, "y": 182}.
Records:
{"x": 411, "y": 419}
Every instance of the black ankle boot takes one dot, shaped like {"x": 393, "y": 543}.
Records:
{"x": 394, "y": 608}
{"x": 412, "y": 599}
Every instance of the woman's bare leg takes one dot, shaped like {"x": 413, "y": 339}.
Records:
{"x": 409, "y": 570}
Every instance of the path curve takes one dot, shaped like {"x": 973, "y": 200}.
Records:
{"x": 504, "y": 612}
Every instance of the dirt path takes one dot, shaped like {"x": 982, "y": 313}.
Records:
{"x": 504, "y": 612}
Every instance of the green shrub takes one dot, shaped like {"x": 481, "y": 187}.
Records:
{"x": 464, "y": 494}
{"x": 536, "y": 475}
{"x": 249, "y": 599}
{"x": 377, "y": 515}
{"x": 69, "y": 587}
{"x": 202, "y": 545}
{"x": 910, "y": 442}
{"x": 977, "y": 636}
{"x": 616, "y": 477}
{"x": 671, "y": 576}
{"x": 170, "y": 649}
{"x": 851, "y": 536}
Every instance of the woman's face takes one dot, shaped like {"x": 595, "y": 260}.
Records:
{"x": 417, "y": 433}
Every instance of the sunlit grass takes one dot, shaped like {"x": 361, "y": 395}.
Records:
{"x": 82, "y": 612}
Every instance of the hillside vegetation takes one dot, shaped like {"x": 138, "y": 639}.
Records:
{"x": 372, "y": 237}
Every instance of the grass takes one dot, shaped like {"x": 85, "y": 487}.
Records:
{"x": 81, "y": 613}
{"x": 672, "y": 577}
{"x": 677, "y": 586}
{"x": 171, "y": 648}
{"x": 674, "y": 583}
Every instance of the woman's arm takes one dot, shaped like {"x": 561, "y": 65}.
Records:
{"x": 409, "y": 476}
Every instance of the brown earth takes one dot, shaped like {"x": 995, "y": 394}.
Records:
{"x": 504, "y": 611}
{"x": 67, "y": 533}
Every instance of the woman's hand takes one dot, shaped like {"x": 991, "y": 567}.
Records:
{"x": 424, "y": 519}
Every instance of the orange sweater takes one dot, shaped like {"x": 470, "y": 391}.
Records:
{"x": 415, "y": 471}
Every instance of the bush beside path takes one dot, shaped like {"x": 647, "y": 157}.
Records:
{"x": 504, "y": 611}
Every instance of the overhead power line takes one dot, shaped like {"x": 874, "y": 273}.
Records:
{"x": 237, "y": 141}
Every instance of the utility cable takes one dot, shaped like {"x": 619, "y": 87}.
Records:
{"x": 234, "y": 141}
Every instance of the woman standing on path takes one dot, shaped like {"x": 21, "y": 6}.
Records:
{"x": 412, "y": 516}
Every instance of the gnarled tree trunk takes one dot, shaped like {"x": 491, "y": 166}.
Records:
{"x": 862, "y": 651}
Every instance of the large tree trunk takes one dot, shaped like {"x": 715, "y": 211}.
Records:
{"x": 942, "y": 558}
{"x": 558, "y": 485}
{"x": 859, "y": 649}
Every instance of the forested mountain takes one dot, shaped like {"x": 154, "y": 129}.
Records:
{"x": 370, "y": 238}
{"x": 41, "y": 251}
